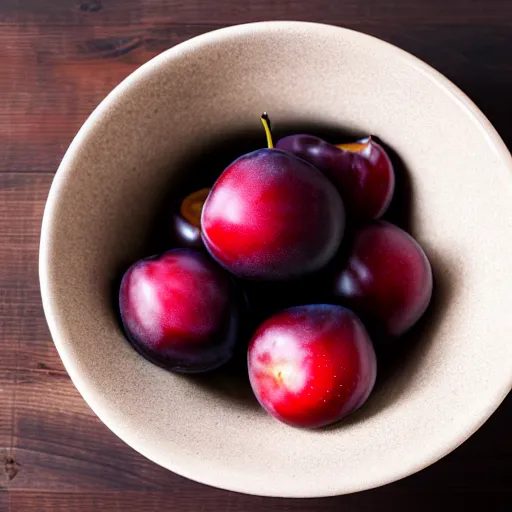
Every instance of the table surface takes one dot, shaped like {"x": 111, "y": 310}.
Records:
{"x": 58, "y": 59}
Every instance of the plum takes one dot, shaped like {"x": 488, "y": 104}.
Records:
{"x": 180, "y": 310}
{"x": 385, "y": 277}
{"x": 362, "y": 171}
{"x": 272, "y": 215}
{"x": 310, "y": 366}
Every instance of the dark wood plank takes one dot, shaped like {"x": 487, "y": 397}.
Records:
{"x": 476, "y": 474}
{"x": 60, "y": 58}
{"x": 21, "y": 210}
{"x": 7, "y": 389}
{"x": 21, "y": 204}
{"x": 4, "y": 500}
{"x": 133, "y": 12}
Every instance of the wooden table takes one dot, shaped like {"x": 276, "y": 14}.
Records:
{"x": 58, "y": 59}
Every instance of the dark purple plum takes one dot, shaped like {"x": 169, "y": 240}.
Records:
{"x": 385, "y": 277}
{"x": 362, "y": 171}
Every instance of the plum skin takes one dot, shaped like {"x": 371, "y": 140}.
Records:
{"x": 365, "y": 177}
{"x": 310, "y": 366}
{"x": 271, "y": 215}
{"x": 185, "y": 234}
{"x": 385, "y": 277}
{"x": 180, "y": 310}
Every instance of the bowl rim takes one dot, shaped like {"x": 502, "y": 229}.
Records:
{"x": 62, "y": 175}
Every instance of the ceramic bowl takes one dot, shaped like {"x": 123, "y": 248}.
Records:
{"x": 179, "y": 119}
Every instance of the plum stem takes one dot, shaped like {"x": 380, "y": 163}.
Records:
{"x": 265, "y": 121}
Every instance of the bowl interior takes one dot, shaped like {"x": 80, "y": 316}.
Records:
{"x": 174, "y": 124}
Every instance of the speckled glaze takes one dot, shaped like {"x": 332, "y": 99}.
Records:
{"x": 126, "y": 156}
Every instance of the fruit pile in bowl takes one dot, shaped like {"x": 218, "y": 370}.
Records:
{"x": 304, "y": 212}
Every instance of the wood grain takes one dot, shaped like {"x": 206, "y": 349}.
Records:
{"x": 133, "y": 12}
{"x": 7, "y": 387}
{"x": 59, "y": 58}
{"x": 4, "y": 501}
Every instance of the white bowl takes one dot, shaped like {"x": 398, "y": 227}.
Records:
{"x": 138, "y": 144}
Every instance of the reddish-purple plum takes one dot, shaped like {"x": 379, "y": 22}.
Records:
{"x": 272, "y": 215}
{"x": 385, "y": 277}
{"x": 310, "y": 366}
{"x": 180, "y": 310}
{"x": 362, "y": 171}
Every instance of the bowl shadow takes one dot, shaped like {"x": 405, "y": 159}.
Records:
{"x": 230, "y": 382}
{"x": 401, "y": 207}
